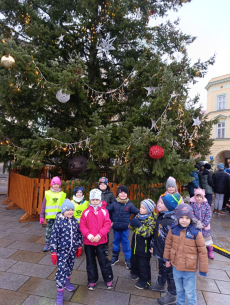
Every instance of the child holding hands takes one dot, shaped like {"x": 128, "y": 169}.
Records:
{"x": 183, "y": 245}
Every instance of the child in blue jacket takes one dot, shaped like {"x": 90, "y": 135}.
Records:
{"x": 121, "y": 209}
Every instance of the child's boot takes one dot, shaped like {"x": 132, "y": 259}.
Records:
{"x": 128, "y": 264}
{"x": 114, "y": 258}
{"x": 69, "y": 286}
{"x": 210, "y": 252}
{"x": 157, "y": 287}
{"x": 46, "y": 247}
{"x": 167, "y": 299}
{"x": 60, "y": 296}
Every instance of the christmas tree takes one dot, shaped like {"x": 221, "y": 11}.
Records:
{"x": 95, "y": 78}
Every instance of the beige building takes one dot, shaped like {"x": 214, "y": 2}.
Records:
{"x": 218, "y": 105}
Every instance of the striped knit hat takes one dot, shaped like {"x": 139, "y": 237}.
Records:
{"x": 184, "y": 209}
{"x": 149, "y": 204}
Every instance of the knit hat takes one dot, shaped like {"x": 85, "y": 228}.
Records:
{"x": 149, "y": 204}
{"x": 67, "y": 205}
{"x": 55, "y": 180}
{"x": 184, "y": 209}
{"x": 171, "y": 182}
{"x": 199, "y": 191}
{"x": 171, "y": 201}
{"x": 103, "y": 180}
{"x": 207, "y": 166}
{"x": 197, "y": 166}
{"x": 95, "y": 194}
{"x": 78, "y": 188}
{"x": 122, "y": 188}
{"x": 220, "y": 166}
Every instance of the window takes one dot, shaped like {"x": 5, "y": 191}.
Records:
{"x": 221, "y": 130}
{"x": 221, "y": 102}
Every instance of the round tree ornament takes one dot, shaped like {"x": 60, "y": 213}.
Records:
{"x": 156, "y": 152}
{"x": 62, "y": 97}
{"x": 7, "y": 61}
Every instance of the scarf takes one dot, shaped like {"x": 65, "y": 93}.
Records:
{"x": 59, "y": 190}
{"x": 143, "y": 217}
{"x": 77, "y": 199}
{"x": 122, "y": 200}
{"x": 96, "y": 206}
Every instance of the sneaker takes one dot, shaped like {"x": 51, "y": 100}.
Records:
{"x": 215, "y": 211}
{"x": 109, "y": 285}
{"x": 220, "y": 213}
{"x": 140, "y": 285}
{"x": 167, "y": 299}
{"x": 134, "y": 277}
{"x": 46, "y": 247}
{"x": 91, "y": 286}
{"x": 114, "y": 258}
{"x": 157, "y": 287}
{"x": 128, "y": 264}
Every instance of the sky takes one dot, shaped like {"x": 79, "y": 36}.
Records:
{"x": 209, "y": 21}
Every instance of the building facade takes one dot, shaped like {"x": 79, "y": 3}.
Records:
{"x": 218, "y": 105}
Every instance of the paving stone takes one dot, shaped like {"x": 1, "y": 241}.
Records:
{"x": 99, "y": 297}
{"x": 20, "y": 237}
{"x": 23, "y": 245}
{"x": 6, "y": 263}
{"x": 26, "y": 256}
{"x": 31, "y": 269}
{"x": 213, "y": 274}
{"x": 224, "y": 287}
{"x": 213, "y": 264}
{"x": 4, "y": 234}
{"x": 82, "y": 266}
{"x": 6, "y": 252}
{"x": 32, "y": 239}
{"x": 221, "y": 258}
{"x": 8, "y": 297}
{"x": 19, "y": 230}
{"x": 206, "y": 285}
{"x": 31, "y": 285}
{"x": 41, "y": 240}
{"x": 12, "y": 281}
{"x": 52, "y": 275}
{"x": 216, "y": 298}
{"x": 127, "y": 286}
{"x": 200, "y": 298}
{"x": 37, "y": 232}
{"x": 46, "y": 260}
{"x": 4, "y": 227}
{"x": 5, "y": 242}
{"x": 48, "y": 289}
{"x": 137, "y": 300}
{"x": 36, "y": 300}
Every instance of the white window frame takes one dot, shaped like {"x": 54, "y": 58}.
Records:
{"x": 222, "y": 102}
{"x": 220, "y": 130}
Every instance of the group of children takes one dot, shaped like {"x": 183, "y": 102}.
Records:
{"x": 174, "y": 237}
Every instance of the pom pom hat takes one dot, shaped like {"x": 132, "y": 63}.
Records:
{"x": 103, "y": 180}
{"x": 55, "y": 180}
{"x": 78, "y": 188}
{"x": 67, "y": 205}
{"x": 149, "y": 204}
{"x": 95, "y": 194}
{"x": 184, "y": 210}
{"x": 171, "y": 182}
{"x": 171, "y": 201}
{"x": 200, "y": 192}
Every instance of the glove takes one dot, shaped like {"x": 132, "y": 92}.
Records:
{"x": 79, "y": 252}
{"x": 203, "y": 273}
{"x": 54, "y": 258}
{"x": 41, "y": 220}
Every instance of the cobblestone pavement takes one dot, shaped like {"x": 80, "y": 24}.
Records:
{"x": 27, "y": 274}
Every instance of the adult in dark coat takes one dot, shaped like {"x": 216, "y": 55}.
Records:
{"x": 221, "y": 187}
{"x": 201, "y": 164}
{"x": 206, "y": 183}
{"x": 195, "y": 183}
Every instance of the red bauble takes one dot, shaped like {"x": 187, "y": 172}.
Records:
{"x": 156, "y": 152}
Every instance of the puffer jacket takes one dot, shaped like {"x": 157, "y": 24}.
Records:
{"x": 142, "y": 235}
{"x": 203, "y": 213}
{"x": 121, "y": 213}
{"x": 108, "y": 196}
{"x": 206, "y": 181}
{"x": 194, "y": 184}
{"x": 95, "y": 223}
{"x": 183, "y": 246}
{"x": 65, "y": 234}
{"x": 163, "y": 224}
{"x": 221, "y": 182}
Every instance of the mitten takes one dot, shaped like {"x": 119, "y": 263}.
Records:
{"x": 203, "y": 273}
{"x": 135, "y": 222}
{"x": 54, "y": 258}
{"x": 41, "y": 220}
{"x": 79, "y": 252}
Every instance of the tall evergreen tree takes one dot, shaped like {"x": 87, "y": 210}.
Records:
{"x": 104, "y": 53}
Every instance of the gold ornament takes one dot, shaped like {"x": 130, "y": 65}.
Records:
{"x": 7, "y": 61}
{"x": 197, "y": 71}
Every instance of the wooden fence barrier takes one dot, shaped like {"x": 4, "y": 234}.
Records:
{"x": 28, "y": 193}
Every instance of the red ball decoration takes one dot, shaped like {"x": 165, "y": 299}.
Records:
{"x": 156, "y": 152}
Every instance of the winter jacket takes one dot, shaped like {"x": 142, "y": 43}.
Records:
{"x": 183, "y": 246}
{"x": 203, "y": 213}
{"x": 121, "y": 214}
{"x": 221, "y": 182}
{"x": 206, "y": 182}
{"x": 95, "y": 223}
{"x": 143, "y": 232}
{"x": 194, "y": 184}
{"x": 108, "y": 196}
{"x": 65, "y": 234}
{"x": 163, "y": 224}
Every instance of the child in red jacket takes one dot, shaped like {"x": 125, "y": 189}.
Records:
{"x": 95, "y": 225}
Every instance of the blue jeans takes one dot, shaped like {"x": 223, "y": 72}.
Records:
{"x": 209, "y": 198}
{"x": 123, "y": 238}
{"x": 185, "y": 286}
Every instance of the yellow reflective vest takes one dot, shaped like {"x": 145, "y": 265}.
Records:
{"x": 53, "y": 203}
{"x": 79, "y": 208}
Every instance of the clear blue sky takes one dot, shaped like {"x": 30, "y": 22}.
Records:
{"x": 209, "y": 21}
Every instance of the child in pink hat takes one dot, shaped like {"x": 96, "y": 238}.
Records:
{"x": 51, "y": 205}
{"x": 203, "y": 215}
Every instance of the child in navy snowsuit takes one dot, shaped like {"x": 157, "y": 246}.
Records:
{"x": 65, "y": 245}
